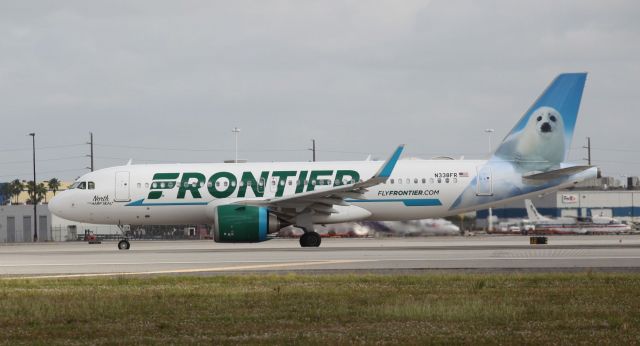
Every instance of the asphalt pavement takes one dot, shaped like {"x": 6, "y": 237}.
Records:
{"x": 385, "y": 255}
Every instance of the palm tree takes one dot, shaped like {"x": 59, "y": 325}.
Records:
{"x": 54, "y": 185}
{"x": 15, "y": 189}
{"x": 41, "y": 193}
{"x": 30, "y": 187}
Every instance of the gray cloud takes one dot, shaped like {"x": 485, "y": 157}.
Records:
{"x": 358, "y": 76}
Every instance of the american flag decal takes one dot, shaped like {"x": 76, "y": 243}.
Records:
{"x": 463, "y": 174}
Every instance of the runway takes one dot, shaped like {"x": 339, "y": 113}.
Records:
{"x": 387, "y": 255}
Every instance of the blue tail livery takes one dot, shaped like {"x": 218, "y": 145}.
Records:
{"x": 542, "y": 137}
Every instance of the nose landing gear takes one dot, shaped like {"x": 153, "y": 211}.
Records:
{"x": 123, "y": 244}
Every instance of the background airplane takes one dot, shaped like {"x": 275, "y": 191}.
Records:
{"x": 573, "y": 225}
{"x": 424, "y": 227}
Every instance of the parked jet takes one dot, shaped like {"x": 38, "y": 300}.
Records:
{"x": 247, "y": 201}
{"x": 343, "y": 230}
{"x": 573, "y": 225}
{"x": 425, "y": 227}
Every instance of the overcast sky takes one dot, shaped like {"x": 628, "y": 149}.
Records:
{"x": 358, "y": 76}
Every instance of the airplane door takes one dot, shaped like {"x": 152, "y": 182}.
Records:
{"x": 484, "y": 181}
{"x": 122, "y": 187}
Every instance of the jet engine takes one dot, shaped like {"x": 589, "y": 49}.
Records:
{"x": 244, "y": 224}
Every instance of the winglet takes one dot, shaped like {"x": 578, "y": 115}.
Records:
{"x": 387, "y": 168}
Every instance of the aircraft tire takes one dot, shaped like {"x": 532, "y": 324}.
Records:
{"x": 124, "y": 245}
{"x": 310, "y": 239}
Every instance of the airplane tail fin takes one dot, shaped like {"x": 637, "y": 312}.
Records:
{"x": 532, "y": 212}
{"x": 542, "y": 137}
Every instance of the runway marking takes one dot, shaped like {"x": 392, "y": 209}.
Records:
{"x": 301, "y": 262}
{"x": 511, "y": 258}
{"x": 285, "y": 263}
{"x": 186, "y": 271}
{"x": 139, "y": 263}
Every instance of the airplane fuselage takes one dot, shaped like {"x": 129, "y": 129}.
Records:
{"x": 186, "y": 193}
{"x": 182, "y": 193}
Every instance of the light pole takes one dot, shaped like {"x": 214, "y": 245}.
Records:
{"x": 236, "y": 131}
{"x": 91, "y": 150}
{"x": 490, "y": 132}
{"x": 313, "y": 149}
{"x": 33, "y": 197}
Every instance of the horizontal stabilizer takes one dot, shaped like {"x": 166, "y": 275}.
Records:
{"x": 555, "y": 174}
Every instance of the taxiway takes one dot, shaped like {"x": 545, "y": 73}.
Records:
{"x": 388, "y": 255}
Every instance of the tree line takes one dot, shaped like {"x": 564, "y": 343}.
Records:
{"x": 13, "y": 189}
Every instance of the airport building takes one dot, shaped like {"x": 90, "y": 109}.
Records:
{"x": 16, "y": 223}
{"x": 604, "y": 196}
{"x": 16, "y": 226}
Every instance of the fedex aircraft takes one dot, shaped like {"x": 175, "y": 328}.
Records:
{"x": 247, "y": 201}
{"x": 574, "y": 225}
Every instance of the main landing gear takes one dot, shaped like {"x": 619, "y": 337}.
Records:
{"x": 310, "y": 239}
{"x": 124, "y": 244}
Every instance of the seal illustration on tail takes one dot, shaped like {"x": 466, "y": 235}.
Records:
{"x": 536, "y": 145}
{"x": 540, "y": 144}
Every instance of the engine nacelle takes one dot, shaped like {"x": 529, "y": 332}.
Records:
{"x": 243, "y": 224}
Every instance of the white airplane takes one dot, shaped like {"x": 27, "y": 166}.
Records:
{"x": 247, "y": 201}
{"x": 344, "y": 229}
{"x": 425, "y": 227}
{"x": 573, "y": 225}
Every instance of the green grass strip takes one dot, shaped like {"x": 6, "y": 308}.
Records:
{"x": 571, "y": 308}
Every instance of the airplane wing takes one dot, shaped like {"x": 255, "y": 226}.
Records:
{"x": 322, "y": 201}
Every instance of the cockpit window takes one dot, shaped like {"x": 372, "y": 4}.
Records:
{"x": 82, "y": 185}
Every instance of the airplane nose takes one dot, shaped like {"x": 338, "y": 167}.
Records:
{"x": 55, "y": 205}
